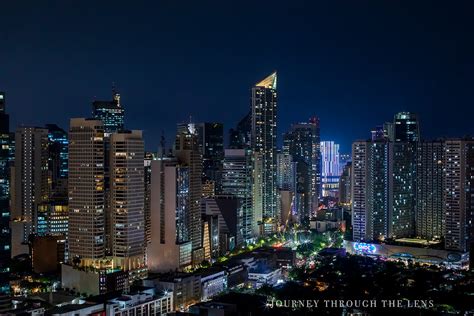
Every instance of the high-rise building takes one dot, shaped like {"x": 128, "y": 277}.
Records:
{"x": 170, "y": 247}
{"x": 149, "y": 157}
{"x": 211, "y": 145}
{"x": 458, "y": 194}
{"x": 286, "y": 172}
{"x": 187, "y": 152}
{"x": 263, "y": 143}
{"x": 57, "y": 159}
{"x": 302, "y": 142}
{"x": 239, "y": 138}
{"x": 111, "y": 113}
{"x": 86, "y": 191}
{"x": 126, "y": 201}
{"x": 402, "y": 190}
{"x": 5, "y": 235}
{"x": 345, "y": 198}
{"x": 405, "y": 127}
{"x": 31, "y": 183}
{"x": 330, "y": 169}
{"x": 370, "y": 189}
{"x": 359, "y": 191}
{"x": 237, "y": 181}
{"x": 429, "y": 190}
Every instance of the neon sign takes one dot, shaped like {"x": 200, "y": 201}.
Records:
{"x": 363, "y": 247}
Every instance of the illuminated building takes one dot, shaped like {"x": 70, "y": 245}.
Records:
{"x": 429, "y": 190}
{"x": 458, "y": 194}
{"x": 170, "y": 247}
{"x": 127, "y": 202}
{"x": 52, "y": 218}
{"x": 370, "y": 190}
{"x": 31, "y": 183}
{"x": 302, "y": 142}
{"x": 263, "y": 143}
{"x": 330, "y": 169}
{"x": 285, "y": 172}
{"x": 111, "y": 113}
{"x": 149, "y": 157}
{"x": 210, "y": 138}
{"x": 237, "y": 181}
{"x": 176, "y": 224}
{"x": 86, "y": 190}
{"x": 5, "y": 236}
{"x": 402, "y": 190}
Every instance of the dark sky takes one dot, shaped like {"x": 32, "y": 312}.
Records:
{"x": 352, "y": 63}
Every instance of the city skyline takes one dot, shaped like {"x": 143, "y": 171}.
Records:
{"x": 322, "y": 68}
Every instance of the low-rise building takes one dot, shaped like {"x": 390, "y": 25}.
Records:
{"x": 144, "y": 304}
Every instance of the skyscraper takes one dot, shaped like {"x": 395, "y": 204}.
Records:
{"x": 111, "y": 113}
{"x": 86, "y": 191}
{"x": 429, "y": 190}
{"x": 170, "y": 247}
{"x": 31, "y": 183}
{"x": 210, "y": 138}
{"x": 263, "y": 143}
{"x": 237, "y": 181}
{"x": 402, "y": 190}
{"x": 302, "y": 142}
{"x": 58, "y": 157}
{"x": 405, "y": 127}
{"x": 187, "y": 152}
{"x": 5, "y": 235}
{"x": 329, "y": 168}
{"x": 345, "y": 198}
{"x": 126, "y": 201}
{"x": 370, "y": 189}
{"x": 149, "y": 157}
{"x": 239, "y": 137}
{"x": 458, "y": 194}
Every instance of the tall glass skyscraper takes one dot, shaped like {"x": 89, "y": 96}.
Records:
{"x": 111, "y": 113}
{"x": 406, "y": 127}
{"x": 264, "y": 143}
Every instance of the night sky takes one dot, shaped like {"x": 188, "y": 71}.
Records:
{"x": 352, "y": 63}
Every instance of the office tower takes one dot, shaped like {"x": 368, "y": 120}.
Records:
{"x": 405, "y": 127}
{"x": 237, "y": 181}
{"x": 286, "y": 172}
{"x": 378, "y": 133}
{"x": 345, "y": 198}
{"x": 388, "y": 131}
{"x": 187, "y": 152}
{"x": 239, "y": 137}
{"x": 210, "y": 236}
{"x": 402, "y": 190}
{"x": 170, "y": 248}
{"x": 429, "y": 190}
{"x": 149, "y": 157}
{"x": 31, "y": 183}
{"x": 5, "y": 236}
{"x": 263, "y": 143}
{"x": 458, "y": 194}
{"x": 370, "y": 189}
{"x": 211, "y": 145}
{"x": 86, "y": 191}
{"x": 111, "y": 113}
{"x": 127, "y": 201}
{"x": 330, "y": 170}
{"x": 343, "y": 160}
{"x": 302, "y": 142}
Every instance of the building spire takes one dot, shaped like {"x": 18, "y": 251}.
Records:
{"x": 269, "y": 82}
